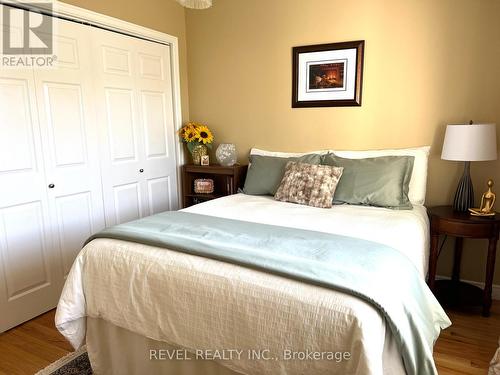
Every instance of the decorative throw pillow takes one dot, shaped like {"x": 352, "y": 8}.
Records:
{"x": 381, "y": 182}
{"x": 265, "y": 172}
{"x": 313, "y": 185}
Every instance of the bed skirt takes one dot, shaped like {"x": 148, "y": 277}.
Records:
{"x": 114, "y": 350}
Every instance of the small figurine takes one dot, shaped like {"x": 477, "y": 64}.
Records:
{"x": 487, "y": 203}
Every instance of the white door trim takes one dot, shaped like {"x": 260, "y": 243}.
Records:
{"x": 114, "y": 24}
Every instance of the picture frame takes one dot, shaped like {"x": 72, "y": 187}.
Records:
{"x": 203, "y": 186}
{"x": 327, "y": 75}
{"x": 205, "y": 160}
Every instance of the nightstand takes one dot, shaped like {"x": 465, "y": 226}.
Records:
{"x": 454, "y": 293}
{"x": 227, "y": 180}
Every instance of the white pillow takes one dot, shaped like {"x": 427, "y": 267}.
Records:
{"x": 256, "y": 151}
{"x": 418, "y": 181}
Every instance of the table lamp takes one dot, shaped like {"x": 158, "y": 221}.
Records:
{"x": 473, "y": 142}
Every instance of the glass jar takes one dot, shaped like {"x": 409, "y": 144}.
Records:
{"x": 226, "y": 154}
{"x": 198, "y": 152}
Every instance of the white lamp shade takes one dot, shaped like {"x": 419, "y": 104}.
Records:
{"x": 477, "y": 142}
{"x": 196, "y": 4}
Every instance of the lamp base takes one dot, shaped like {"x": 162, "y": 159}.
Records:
{"x": 464, "y": 196}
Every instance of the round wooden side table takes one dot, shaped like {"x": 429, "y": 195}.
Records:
{"x": 455, "y": 293}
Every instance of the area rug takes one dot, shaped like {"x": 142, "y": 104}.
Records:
{"x": 495, "y": 362}
{"x": 76, "y": 363}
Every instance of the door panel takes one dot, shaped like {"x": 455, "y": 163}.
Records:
{"x": 155, "y": 124}
{"x": 154, "y": 85}
{"x": 128, "y": 202}
{"x": 159, "y": 195}
{"x": 121, "y": 127}
{"x": 69, "y": 134}
{"x": 30, "y": 279}
{"x": 67, "y": 52}
{"x": 65, "y": 120}
{"x": 16, "y": 128}
{"x": 76, "y": 224}
{"x": 151, "y": 66}
{"x": 25, "y": 249}
{"x": 139, "y": 166}
{"x": 118, "y": 121}
{"x": 116, "y": 60}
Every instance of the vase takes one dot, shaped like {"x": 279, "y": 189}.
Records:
{"x": 198, "y": 152}
{"x": 226, "y": 154}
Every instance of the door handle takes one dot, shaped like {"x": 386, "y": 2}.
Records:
{"x": 52, "y": 186}
{"x": 141, "y": 170}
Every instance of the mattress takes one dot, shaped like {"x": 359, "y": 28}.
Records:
{"x": 196, "y": 303}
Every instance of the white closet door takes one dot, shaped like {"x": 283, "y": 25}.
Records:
{"x": 30, "y": 278}
{"x": 135, "y": 115}
{"x": 154, "y": 88}
{"x": 70, "y": 139}
{"x": 108, "y": 97}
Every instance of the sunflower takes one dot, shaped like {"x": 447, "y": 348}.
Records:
{"x": 182, "y": 131}
{"x": 204, "y": 135}
{"x": 189, "y": 134}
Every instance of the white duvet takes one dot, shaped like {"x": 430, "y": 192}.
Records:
{"x": 197, "y": 303}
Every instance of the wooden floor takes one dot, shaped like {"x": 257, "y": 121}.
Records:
{"x": 469, "y": 344}
{"x": 31, "y": 346}
{"x": 465, "y": 348}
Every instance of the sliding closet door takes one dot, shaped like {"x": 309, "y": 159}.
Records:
{"x": 70, "y": 138}
{"x": 95, "y": 132}
{"x": 30, "y": 278}
{"x": 135, "y": 116}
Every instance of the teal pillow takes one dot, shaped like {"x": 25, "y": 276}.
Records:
{"x": 383, "y": 181}
{"x": 265, "y": 172}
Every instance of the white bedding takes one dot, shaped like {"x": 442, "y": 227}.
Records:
{"x": 197, "y": 303}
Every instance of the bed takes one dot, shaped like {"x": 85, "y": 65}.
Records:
{"x": 144, "y": 309}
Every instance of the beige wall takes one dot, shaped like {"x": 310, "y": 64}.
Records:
{"x": 162, "y": 15}
{"x": 427, "y": 63}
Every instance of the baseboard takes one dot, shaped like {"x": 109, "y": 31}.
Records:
{"x": 495, "y": 290}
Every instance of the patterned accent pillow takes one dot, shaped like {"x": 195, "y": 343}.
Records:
{"x": 309, "y": 184}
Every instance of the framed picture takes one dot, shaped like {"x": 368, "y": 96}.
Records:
{"x": 203, "y": 186}
{"x": 327, "y": 75}
{"x": 205, "y": 160}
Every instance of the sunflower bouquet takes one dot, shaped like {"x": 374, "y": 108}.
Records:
{"x": 195, "y": 134}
